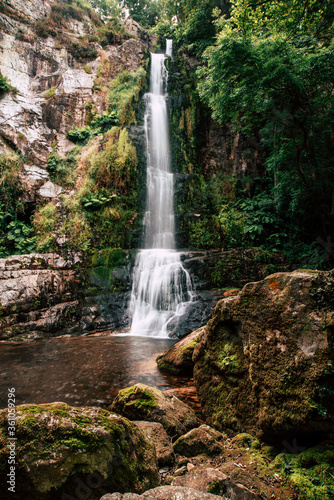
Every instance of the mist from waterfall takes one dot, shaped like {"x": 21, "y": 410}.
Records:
{"x": 162, "y": 288}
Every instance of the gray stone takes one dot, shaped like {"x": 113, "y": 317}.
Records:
{"x": 50, "y": 190}
{"x": 166, "y": 493}
{"x": 203, "y": 479}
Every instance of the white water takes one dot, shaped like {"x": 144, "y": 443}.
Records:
{"x": 161, "y": 289}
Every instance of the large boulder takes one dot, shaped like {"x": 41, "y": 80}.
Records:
{"x": 266, "y": 361}
{"x": 62, "y": 450}
{"x": 141, "y": 402}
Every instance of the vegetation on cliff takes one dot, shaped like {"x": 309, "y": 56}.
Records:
{"x": 265, "y": 70}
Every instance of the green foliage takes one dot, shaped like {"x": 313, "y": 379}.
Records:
{"x": 100, "y": 124}
{"x": 109, "y": 257}
{"x": 21, "y": 236}
{"x": 124, "y": 90}
{"x": 4, "y": 85}
{"x": 145, "y": 12}
{"x": 62, "y": 170}
{"x": 79, "y": 135}
{"x": 268, "y": 75}
{"x": 15, "y": 232}
{"x": 92, "y": 203}
{"x": 45, "y": 220}
{"x": 310, "y": 472}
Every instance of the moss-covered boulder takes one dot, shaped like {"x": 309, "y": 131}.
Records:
{"x": 65, "y": 450}
{"x": 141, "y": 402}
{"x": 201, "y": 441}
{"x": 265, "y": 363}
{"x": 178, "y": 359}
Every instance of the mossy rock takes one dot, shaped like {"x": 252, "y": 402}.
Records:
{"x": 201, "y": 441}
{"x": 141, "y": 402}
{"x": 265, "y": 365}
{"x": 245, "y": 440}
{"x": 178, "y": 359}
{"x": 62, "y": 449}
{"x": 310, "y": 473}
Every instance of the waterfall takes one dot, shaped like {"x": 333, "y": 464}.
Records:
{"x": 162, "y": 288}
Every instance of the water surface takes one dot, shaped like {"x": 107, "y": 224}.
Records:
{"x": 81, "y": 371}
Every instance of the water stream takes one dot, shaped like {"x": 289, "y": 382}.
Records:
{"x": 91, "y": 370}
{"x": 162, "y": 288}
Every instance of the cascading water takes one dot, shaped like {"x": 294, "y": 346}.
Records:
{"x": 161, "y": 288}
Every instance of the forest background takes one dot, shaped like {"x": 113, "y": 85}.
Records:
{"x": 263, "y": 69}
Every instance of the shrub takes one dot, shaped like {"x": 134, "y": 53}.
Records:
{"x": 123, "y": 91}
{"x": 44, "y": 222}
{"x": 50, "y": 93}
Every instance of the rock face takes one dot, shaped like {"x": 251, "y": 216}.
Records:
{"x": 43, "y": 295}
{"x": 53, "y": 84}
{"x": 266, "y": 361}
{"x": 141, "y": 402}
{"x": 64, "y": 450}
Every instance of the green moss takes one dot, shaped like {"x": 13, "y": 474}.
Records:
{"x": 311, "y": 472}
{"x": 245, "y": 440}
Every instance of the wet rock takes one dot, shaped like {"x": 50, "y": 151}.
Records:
{"x": 43, "y": 295}
{"x": 166, "y": 493}
{"x": 158, "y": 436}
{"x": 178, "y": 359}
{"x": 63, "y": 449}
{"x": 216, "y": 482}
{"x": 200, "y": 441}
{"x": 265, "y": 362}
{"x": 141, "y": 402}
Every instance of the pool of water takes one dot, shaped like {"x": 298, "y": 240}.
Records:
{"x": 83, "y": 371}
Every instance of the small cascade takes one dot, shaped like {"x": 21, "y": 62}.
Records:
{"x": 162, "y": 288}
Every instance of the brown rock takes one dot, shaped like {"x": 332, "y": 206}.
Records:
{"x": 157, "y": 434}
{"x": 141, "y": 402}
{"x": 166, "y": 493}
{"x": 178, "y": 359}
{"x": 265, "y": 362}
{"x": 201, "y": 441}
{"x": 215, "y": 481}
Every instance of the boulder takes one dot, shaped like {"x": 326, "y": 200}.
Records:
{"x": 141, "y": 402}
{"x": 62, "y": 450}
{"x": 216, "y": 482}
{"x": 265, "y": 364}
{"x": 178, "y": 359}
{"x": 166, "y": 493}
{"x": 201, "y": 441}
{"x": 158, "y": 436}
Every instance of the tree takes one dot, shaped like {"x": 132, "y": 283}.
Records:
{"x": 271, "y": 72}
